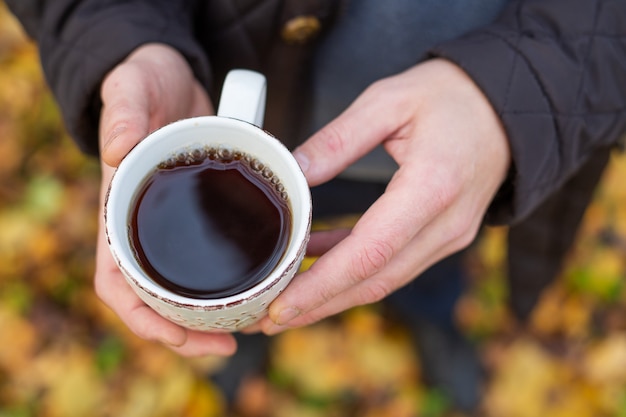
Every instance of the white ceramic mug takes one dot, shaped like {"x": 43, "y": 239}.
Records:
{"x": 236, "y": 126}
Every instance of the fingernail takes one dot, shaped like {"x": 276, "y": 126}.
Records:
{"x": 302, "y": 159}
{"x": 286, "y": 315}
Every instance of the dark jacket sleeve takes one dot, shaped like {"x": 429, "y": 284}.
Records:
{"x": 80, "y": 41}
{"x": 555, "y": 72}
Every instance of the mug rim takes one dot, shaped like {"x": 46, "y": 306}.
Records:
{"x": 119, "y": 243}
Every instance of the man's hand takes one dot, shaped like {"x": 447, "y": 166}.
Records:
{"x": 151, "y": 88}
{"x": 453, "y": 156}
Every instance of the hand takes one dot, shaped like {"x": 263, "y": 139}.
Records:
{"x": 453, "y": 156}
{"x": 152, "y": 87}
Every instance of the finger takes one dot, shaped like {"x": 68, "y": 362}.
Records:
{"x": 125, "y": 117}
{"x": 381, "y": 233}
{"x": 407, "y": 265}
{"x": 367, "y": 291}
{"x": 358, "y": 130}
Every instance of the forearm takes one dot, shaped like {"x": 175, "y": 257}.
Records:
{"x": 555, "y": 72}
{"x": 81, "y": 41}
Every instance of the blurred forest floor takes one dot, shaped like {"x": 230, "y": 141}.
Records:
{"x": 64, "y": 354}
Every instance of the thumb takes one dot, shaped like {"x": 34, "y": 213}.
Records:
{"x": 354, "y": 133}
{"x": 124, "y": 119}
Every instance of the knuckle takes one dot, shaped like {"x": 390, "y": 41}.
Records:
{"x": 380, "y": 87}
{"x": 372, "y": 259}
{"x": 333, "y": 138}
{"x": 325, "y": 294}
{"x": 393, "y": 93}
{"x": 444, "y": 192}
{"x": 468, "y": 234}
{"x": 442, "y": 199}
{"x": 462, "y": 232}
{"x": 373, "y": 292}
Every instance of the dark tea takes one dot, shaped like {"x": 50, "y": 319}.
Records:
{"x": 210, "y": 223}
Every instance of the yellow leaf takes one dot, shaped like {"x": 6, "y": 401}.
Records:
{"x": 561, "y": 313}
{"x": 381, "y": 358}
{"x": 315, "y": 360}
{"x": 605, "y": 362}
{"x": 141, "y": 395}
{"x": 19, "y": 342}
{"x": 307, "y": 262}
{"x": 71, "y": 385}
{"x": 492, "y": 246}
{"x": 531, "y": 383}
{"x": 205, "y": 401}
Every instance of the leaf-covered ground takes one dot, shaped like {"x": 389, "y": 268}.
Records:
{"x": 64, "y": 354}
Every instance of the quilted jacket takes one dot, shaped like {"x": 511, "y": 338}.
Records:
{"x": 554, "y": 71}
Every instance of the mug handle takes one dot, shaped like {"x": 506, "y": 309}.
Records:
{"x": 243, "y": 96}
